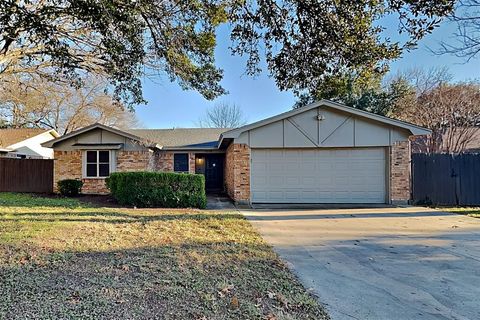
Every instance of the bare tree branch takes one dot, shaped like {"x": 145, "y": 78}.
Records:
{"x": 451, "y": 111}
{"x": 36, "y": 102}
{"x": 223, "y": 115}
{"x": 466, "y": 39}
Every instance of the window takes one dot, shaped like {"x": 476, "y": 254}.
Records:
{"x": 97, "y": 164}
{"x": 180, "y": 162}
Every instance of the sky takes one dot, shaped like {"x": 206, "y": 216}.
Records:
{"x": 169, "y": 106}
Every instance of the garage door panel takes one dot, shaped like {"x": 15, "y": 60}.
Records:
{"x": 350, "y": 175}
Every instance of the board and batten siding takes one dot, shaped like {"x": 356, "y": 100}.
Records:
{"x": 98, "y": 136}
{"x": 335, "y": 129}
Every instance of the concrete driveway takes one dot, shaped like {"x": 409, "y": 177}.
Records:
{"x": 381, "y": 263}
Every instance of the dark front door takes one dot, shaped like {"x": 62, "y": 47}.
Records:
{"x": 211, "y": 166}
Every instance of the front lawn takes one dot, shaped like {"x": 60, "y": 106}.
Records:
{"x": 64, "y": 259}
{"x": 469, "y": 211}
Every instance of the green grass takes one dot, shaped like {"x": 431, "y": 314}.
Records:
{"x": 63, "y": 259}
{"x": 468, "y": 211}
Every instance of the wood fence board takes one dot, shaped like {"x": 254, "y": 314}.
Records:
{"x": 444, "y": 179}
{"x": 26, "y": 175}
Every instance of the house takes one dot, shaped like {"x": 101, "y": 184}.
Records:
{"x": 26, "y": 143}
{"x": 322, "y": 153}
{"x": 456, "y": 140}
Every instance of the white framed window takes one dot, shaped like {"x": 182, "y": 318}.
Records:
{"x": 98, "y": 163}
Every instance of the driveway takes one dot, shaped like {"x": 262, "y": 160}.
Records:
{"x": 381, "y": 263}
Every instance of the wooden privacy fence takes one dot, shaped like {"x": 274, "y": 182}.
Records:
{"x": 26, "y": 175}
{"x": 444, "y": 179}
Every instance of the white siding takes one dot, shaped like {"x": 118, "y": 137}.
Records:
{"x": 33, "y": 146}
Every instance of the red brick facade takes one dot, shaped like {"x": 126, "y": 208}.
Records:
{"x": 164, "y": 161}
{"x": 237, "y": 172}
{"x": 400, "y": 172}
{"x": 68, "y": 165}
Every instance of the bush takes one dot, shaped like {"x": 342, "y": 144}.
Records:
{"x": 69, "y": 187}
{"x": 158, "y": 189}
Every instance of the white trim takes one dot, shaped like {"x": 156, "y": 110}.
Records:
{"x": 112, "y": 163}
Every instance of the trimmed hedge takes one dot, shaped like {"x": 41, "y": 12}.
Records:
{"x": 69, "y": 187}
{"x": 158, "y": 189}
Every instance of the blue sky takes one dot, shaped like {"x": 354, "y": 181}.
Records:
{"x": 170, "y": 106}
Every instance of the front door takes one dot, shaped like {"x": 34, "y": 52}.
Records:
{"x": 211, "y": 166}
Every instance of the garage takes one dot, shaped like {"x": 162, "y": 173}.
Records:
{"x": 346, "y": 175}
{"x": 321, "y": 153}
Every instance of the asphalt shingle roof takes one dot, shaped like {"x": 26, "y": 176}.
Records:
{"x": 181, "y": 137}
{"x": 12, "y": 136}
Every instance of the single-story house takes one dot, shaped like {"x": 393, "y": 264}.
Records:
{"x": 26, "y": 143}
{"x": 456, "y": 140}
{"x": 322, "y": 153}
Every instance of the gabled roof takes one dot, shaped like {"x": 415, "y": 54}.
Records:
{"x": 72, "y": 134}
{"x": 414, "y": 129}
{"x": 12, "y": 136}
{"x": 182, "y": 138}
{"x": 191, "y": 138}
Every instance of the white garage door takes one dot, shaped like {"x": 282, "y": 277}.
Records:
{"x": 353, "y": 175}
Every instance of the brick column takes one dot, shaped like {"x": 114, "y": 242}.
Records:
{"x": 191, "y": 162}
{"x": 400, "y": 172}
{"x": 237, "y": 172}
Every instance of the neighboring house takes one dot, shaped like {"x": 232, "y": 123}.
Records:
{"x": 26, "y": 143}
{"x": 460, "y": 140}
{"x": 322, "y": 153}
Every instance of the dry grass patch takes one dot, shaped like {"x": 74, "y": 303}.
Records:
{"x": 61, "y": 259}
{"x": 468, "y": 211}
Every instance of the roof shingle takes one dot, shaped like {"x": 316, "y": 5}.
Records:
{"x": 181, "y": 137}
{"x": 13, "y": 136}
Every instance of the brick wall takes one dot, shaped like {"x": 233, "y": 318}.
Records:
{"x": 237, "y": 172}
{"x": 134, "y": 161}
{"x": 164, "y": 161}
{"x": 68, "y": 165}
{"x": 94, "y": 186}
{"x": 400, "y": 172}
{"x": 191, "y": 162}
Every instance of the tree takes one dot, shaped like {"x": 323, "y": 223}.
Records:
{"x": 223, "y": 115}
{"x": 374, "y": 95}
{"x": 304, "y": 41}
{"x": 450, "y": 110}
{"x": 467, "y": 36}
{"x": 307, "y": 43}
{"x": 36, "y": 102}
{"x": 118, "y": 39}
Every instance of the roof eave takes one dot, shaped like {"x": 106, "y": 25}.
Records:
{"x": 189, "y": 148}
{"x": 51, "y": 143}
{"x": 414, "y": 129}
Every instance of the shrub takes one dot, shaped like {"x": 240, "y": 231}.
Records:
{"x": 158, "y": 189}
{"x": 69, "y": 187}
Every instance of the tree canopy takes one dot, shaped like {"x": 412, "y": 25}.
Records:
{"x": 304, "y": 41}
{"x": 39, "y": 103}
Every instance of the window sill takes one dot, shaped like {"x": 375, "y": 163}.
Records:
{"x": 94, "y": 178}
